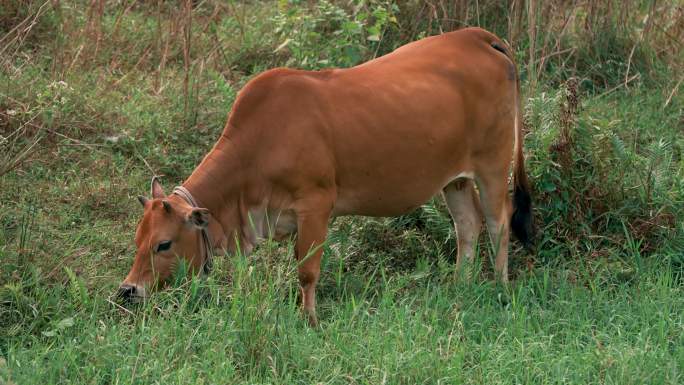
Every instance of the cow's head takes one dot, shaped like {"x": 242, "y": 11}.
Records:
{"x": 167, "y": 234}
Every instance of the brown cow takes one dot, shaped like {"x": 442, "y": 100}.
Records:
{"x": 378, "y": 139}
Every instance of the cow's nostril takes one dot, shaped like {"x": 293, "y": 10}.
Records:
{"x": 126, "y": 291}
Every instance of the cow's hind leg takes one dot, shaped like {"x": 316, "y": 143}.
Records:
{"x": 464, "y": 207}
{"x": 493, "y": 186}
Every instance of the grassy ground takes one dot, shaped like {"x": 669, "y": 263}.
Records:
{"x": 111, "y": 102}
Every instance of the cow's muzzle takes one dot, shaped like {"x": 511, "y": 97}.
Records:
{"x": 130, "y": 293}
{"x": 126, "y": 292}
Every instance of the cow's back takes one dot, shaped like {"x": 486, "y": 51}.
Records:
{"x": 388, "y": 134}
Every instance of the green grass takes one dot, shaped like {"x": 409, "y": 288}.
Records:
{"x": 418, "y": 326}
{"x": 600, "y": 301}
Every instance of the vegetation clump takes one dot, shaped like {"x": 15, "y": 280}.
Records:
{"x": 96, "y": 97}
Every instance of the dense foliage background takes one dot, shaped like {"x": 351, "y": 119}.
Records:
{"x": 98, "y": 96}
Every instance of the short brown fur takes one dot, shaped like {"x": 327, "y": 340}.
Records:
{"x": 378, "y": 139}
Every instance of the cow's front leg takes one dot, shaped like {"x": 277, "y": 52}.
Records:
{"x": 312, "y": 228}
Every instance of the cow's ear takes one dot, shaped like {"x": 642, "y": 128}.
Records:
{"x": 142, "y": 200}
{"x": 198, "y": 217}
{"x": 156, "y": 189}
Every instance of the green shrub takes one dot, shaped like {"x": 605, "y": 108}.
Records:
{"x": 328, "y": 35}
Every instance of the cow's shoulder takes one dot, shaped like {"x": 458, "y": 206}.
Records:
{"x": 275, "y": 91}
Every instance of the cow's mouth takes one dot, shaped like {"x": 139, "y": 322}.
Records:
{"x": 131, "y": 293}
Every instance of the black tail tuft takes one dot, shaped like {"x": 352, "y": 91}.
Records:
{"x": 522, "y": 220}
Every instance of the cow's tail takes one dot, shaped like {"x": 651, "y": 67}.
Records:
{"x": 522, "y": 221}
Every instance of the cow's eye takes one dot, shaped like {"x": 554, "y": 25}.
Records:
{"x": 163, "y": 246}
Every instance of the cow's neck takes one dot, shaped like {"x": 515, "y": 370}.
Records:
{"x": 218, "y": 185}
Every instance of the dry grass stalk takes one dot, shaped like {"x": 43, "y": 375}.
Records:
{"x": 17, "y": 35}
{"x": 515, "y": 21}
{"x": 187, "y": 35}
{"x": 532, "y": 35}
{"x": 93, "y": 28}
{"x": 673, "y": 92}
{"x": 567, "y": 15}
{"x": 18, "y": 146}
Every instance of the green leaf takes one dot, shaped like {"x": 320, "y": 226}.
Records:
{"x": 65, "y": 323}
{"x": 61, "y": 325}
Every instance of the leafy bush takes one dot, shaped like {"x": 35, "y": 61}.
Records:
{"x": 329, "y": 35}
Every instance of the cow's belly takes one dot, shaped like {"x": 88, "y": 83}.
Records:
{"x": 382, "y": 193}
{"x": 380, "y": 203}
{"x": 397, "y": 169}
